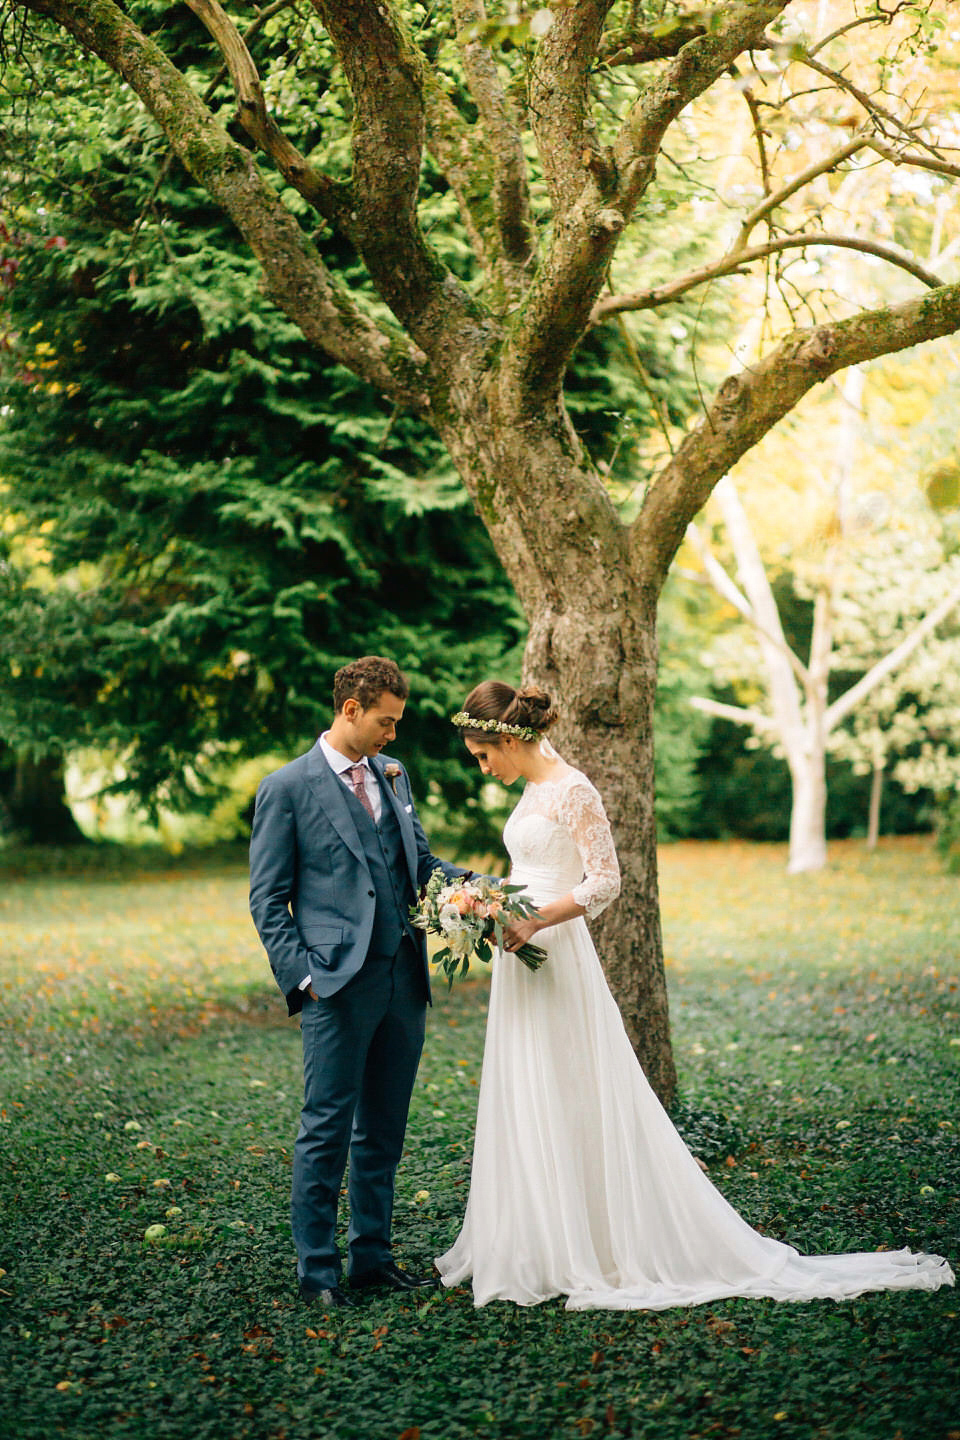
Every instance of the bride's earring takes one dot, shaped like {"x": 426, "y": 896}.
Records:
{"x": 547, "y": 750}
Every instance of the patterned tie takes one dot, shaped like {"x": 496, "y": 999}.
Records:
{"x": 357, "y": 775}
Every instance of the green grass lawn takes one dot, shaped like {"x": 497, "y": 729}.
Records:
{"x": 148, "y": 1075}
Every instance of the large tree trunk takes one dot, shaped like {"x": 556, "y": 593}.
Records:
{"x": 607, "y": 731}
{"x": 593, "y": 646}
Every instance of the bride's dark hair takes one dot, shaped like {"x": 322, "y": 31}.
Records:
{"x": 530, "y": 708}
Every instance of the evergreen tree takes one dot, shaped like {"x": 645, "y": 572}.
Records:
{"x": 204, "y": 517}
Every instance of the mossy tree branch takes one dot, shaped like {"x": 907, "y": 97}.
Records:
{"x": 749, "y": 404}
{"x": 331, "y": 201}
{"x": 511, "y": 195}
{"x": 385, "y": 73}
{"x": 736, "y": 260}
{"x": 293, "y": 272}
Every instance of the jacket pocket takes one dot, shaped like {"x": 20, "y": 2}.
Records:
{"x": 321, "y": 940}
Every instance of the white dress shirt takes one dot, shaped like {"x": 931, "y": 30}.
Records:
{"x": 340, "y": 764}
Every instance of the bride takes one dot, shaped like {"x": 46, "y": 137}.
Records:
{"x": 580, "y": 1185}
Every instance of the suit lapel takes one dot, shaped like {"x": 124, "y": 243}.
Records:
{"x": 332, "y": 794}
{"x": 403, "y": 817}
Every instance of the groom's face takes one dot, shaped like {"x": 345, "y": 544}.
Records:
{"x": 368, "y": 731}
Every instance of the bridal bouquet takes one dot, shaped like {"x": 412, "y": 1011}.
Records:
{"x": 471, "y": 916}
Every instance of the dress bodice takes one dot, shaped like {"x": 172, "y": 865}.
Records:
{"x": 559, "y": 841}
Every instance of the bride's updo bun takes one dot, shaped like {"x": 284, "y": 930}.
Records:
{"x": 498, "y": 704}
{"x": 533, "y": 707}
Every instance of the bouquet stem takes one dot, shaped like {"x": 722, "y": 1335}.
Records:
{"x": 531, "y": 955}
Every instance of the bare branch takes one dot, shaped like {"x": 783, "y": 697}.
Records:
{"x": 782, "y": 666}
{"x": 253, "y": 29}
{"x": 737, "y": 713}
{"x": 731, "y": 592}
{"x": 847, "y": 702}
{"x": 821, "y": 645}
{"x": 750, "y": 403}
{"x": 873, "y": 107}
{"x": 330, "y": 200}
{"x": 903, "y": 157}
{"x": 802, "y": 178}
{"x": 882, "y": 19}
{"x": 723, "y": 583}
{"x": 759, "y": 135}
{"x": 731, "y": 263}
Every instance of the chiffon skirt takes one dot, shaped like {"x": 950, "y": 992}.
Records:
{"x": 581, "y": 1186}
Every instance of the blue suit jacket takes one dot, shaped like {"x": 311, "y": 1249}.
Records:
{"x": 311, "y": 893}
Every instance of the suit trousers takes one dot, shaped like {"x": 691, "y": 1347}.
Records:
{"x": 361, "y": 1049}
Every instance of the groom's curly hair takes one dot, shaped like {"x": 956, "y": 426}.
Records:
{"x": 366, "y": 679}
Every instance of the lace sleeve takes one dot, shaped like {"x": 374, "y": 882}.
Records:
{"x": 582, "y": 812}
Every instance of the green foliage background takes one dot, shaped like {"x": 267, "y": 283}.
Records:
{"x": 203, "y": 517}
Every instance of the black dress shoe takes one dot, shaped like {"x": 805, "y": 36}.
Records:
{"x": 332, "y": 1299}
{"x": 390, "y": 1277}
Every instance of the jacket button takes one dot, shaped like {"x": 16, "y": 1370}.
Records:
{"x": 370, "y": 893}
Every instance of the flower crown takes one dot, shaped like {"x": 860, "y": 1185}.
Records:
{"x": 464, "y": 721}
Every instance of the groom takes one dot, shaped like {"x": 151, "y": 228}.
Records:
{"x": 337, "y": 857}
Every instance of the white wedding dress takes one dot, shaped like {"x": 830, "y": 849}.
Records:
{"x": 580, "y": 1185}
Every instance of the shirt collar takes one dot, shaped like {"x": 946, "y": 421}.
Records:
{"x": 337, "y": 762}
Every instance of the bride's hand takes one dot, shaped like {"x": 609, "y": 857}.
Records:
{"x": 520, "y": 932}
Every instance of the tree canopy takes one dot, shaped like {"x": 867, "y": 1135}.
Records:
{"x": 196, "y": 501}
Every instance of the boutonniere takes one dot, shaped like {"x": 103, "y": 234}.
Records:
{"x": 391, "y": 772}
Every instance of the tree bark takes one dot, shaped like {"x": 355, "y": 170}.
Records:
{"x": 592, "y": 645}
{"x": 601, "y": 660}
